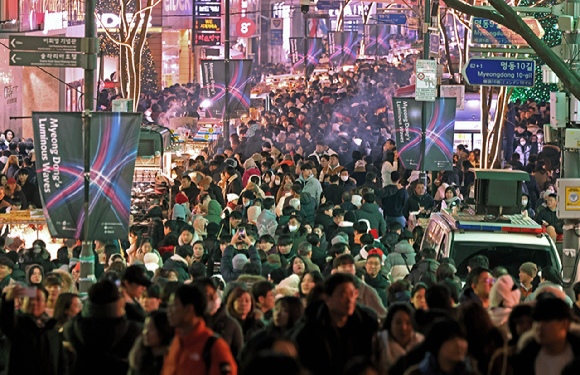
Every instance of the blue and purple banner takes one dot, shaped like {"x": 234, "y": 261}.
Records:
{"x": 214, "y": 87}
{"x": 314, "y": 50}
{"x": 376, "y": 40}
{"x": 343, "y": 48}
{"x": 114, "y": 139}
{"x": 439, "y": 130}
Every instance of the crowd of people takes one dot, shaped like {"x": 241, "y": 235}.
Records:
{"x": 287, "y": 248}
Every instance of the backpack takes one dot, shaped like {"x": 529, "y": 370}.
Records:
{"x": 206, "y": 354}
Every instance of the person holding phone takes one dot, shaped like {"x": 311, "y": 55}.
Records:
{"x": 26, "y": 329}
{"x": 231, "y": 264}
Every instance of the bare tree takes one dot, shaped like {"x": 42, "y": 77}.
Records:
{"x": 131, "y": 41}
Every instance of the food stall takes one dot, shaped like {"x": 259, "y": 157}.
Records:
{"x": 28, "y": 226}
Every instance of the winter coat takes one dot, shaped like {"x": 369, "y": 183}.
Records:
{"x": 251, "y": 325}
{"x": 214, "y": 212}
{"x": 380, "y": 283}
{"x": 524, "y": 362}
{"x": 142, "y": 361}
{"x": 247, "y": 174}
{"x": 394, "y": 200}
{"x": 398, "y": 267}
{"x": 31, "y": 350}
{"x": 322, "y": 350}
{"x": 367, "y": 296}
{"x": 370, "y": 212}
{"x": 424, "y": 266}
{"x": 551, "y": 218}
{"x": 333, "y": 194}
{"x": 101, "y": 344}
{"x": 319, "y": 256}
{"x": 415, "y": 202}
{"x": 227, "y": 267}
{"x": 228, "y": 328}
{"x": 312, "y": 186}
{"x": 234, "y": 186}
{"x": 392, "y": 350}
{"x": 324, "y": 220}
{"x": 429, "y": 366}
{"x": 308, "y": 207}
{"x": 467, "y": 295}
{"x": 267, "y": 223}
{"x": 180, "y": 265}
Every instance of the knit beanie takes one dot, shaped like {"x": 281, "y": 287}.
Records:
{"x": 181, "y": 198}
{"x": 529, "y": 268}
{"x": 504, "y": 292}
{"x": 239, "y": 262}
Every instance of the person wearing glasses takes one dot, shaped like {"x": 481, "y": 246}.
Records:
{"x": 480, "y": 282}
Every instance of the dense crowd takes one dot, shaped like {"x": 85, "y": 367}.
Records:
{"x": 288, "y": 248}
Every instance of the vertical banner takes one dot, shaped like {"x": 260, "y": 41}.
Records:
{"x": 370, "y": 40}
{"x": 383, "y": 47}
{"x": 439, "y": 132}
{"x": 114, "y": 141}
{"x": 314, "y": 50}
{"x": 408, "y": 131}
{"x": 60, "y": 171}
{"x": 343, "y": 48}
{"x": 214, "y": 87}
{"x": 276, "y": 32}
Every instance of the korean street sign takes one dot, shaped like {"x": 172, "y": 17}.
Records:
{"x": 425, "y": 80}
{"x": 52, "y": 43}
{"x": 499, "y": 71}
{"x": 49, "y": 59}
{"x": 485, "y": 31}
{"x": 434, "y": 43}
{"x": 392, "y": 18}
{"x": 327, "y": 5}
{"x": 208, "y": 39}
{"x": 208, "y": 24}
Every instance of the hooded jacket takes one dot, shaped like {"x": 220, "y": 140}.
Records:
{"x": 398, "y": 267}
{"x": 248, "y": 173}
{"x": 267, "y": 223}
{"x": 312, "y": 186}
{"x": 424, "y": 266}
{"x": 214, "y": 211}
{"x": 380, "y": 284}
{"x": 180, "y": 265}
{"x": 228, "y": 271}
{"x": 102, "y": 343}
{"x": 370, "y": 212}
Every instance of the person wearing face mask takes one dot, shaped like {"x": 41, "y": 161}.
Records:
{"x": 217, "y": 319}
{"x": 346, "y": 183}
{"x": 523, "y": 149}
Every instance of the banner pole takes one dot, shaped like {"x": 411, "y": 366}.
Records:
{"x": 87, "y": 259}
{"x": 226, "y": 124}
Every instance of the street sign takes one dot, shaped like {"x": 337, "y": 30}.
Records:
{"x": 46, "y": 43}
{"x": 425, "y": 80}
{"x": 327, "y": 5}
{"x": 276, "y": 32}
{"x": 48, "y": 59}
{"x": 485, "y": 31}
{"x": 434, "y": 43}
{"x": 392, "y": 18}
{"x": 499, "y": 71}
{"x": 245, "y": 27}
{"x": 208, "y": 39}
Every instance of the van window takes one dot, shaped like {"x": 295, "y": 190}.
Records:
{"x": 510, "y": 256}
{"x": 432, "y": 235}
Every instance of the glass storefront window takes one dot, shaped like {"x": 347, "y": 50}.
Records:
{"x": 170, "y": 58}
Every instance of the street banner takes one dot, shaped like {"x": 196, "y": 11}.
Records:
{"x": 60, "y": 172}
{"x": 343, "y": 48}
{"x": 376, "y": 40}
{"x": 439, "y": 130}
{"x": 408, "y": 131}
{"x": 214, "y": 87}
{"x": 315, "y": 47}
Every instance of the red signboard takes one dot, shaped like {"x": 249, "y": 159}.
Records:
{"x": 245, "y": 27}
{"x": 208, "y": 39}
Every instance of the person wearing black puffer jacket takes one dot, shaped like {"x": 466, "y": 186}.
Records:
{"x": 155, "y": 227}
{"x": 420, "y": 201}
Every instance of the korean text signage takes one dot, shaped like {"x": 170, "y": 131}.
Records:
{"x": 485, "y": 31}
{"x": 203, "y": 9}
{"x": 499, "y": 71}
{"x": 208, "y": 24}
{"x": 44, "y": 51}
{"x": 392, "y": 18}
{"x": 208, "y": 39}
{"x": 60, "y": 172}
{"x": 425, "y": 80}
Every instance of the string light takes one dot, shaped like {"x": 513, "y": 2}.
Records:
{"x": 149, "y": 75}
{"x": 540, "y": 92}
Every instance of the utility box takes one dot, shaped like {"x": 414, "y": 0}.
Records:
{"x": 568, "y": 198}
{"x": 572, "y": 139}
{"x": 558, "y": 110}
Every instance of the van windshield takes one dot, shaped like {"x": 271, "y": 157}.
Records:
{"x": 510, "y": 256}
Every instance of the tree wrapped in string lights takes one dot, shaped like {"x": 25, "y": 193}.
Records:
{"x": 131, "y": 41}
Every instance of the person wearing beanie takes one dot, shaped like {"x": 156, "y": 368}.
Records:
{"x": 503, "y": 297}
{"x": 528, "y": 272}
{"x": 101, "y": 335}
{"x": 232, "y": 266}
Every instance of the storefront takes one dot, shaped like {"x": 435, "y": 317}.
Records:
{"x": 175, "y": 43}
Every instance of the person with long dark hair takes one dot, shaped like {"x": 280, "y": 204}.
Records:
{"x": 146, "y": 357}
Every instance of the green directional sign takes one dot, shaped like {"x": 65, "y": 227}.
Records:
{"x": 48, "y": 59}
{"x": 51, "y": 43}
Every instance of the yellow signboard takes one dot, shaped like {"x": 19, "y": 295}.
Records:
{"x": 572, "y": 198}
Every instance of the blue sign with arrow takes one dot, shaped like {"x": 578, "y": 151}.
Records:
{"x": 392, "y": 18}
{"x": 499, "y": 71}
{"x": 327, "y": 5}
